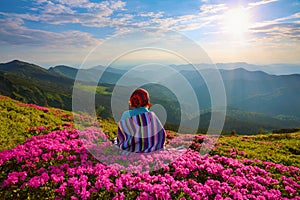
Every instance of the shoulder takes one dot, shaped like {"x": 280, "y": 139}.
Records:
{"x": 137, "y": 111}
{"x": 125, "y": 115}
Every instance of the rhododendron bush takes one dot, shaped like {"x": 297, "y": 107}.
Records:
{"x": 82, "y": 164}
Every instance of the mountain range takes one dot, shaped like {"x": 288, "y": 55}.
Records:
{"x": 256, "y": 100}
{"x": 273, "y": 69}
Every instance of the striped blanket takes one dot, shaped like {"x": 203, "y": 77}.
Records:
{"x": 141, "y": 133}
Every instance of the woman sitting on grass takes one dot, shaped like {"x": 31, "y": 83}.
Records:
{"x": 140, "y": 130}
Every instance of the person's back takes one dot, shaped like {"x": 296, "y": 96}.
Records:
{"x": 139, "y": 130}
{"x": 141, "y": 133}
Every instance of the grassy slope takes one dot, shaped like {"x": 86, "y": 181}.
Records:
{"x": 19, "y": 122}
{"x": 277, "y": 148}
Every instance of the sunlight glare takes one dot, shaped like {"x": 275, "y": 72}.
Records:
{"x": 236, "y": 21}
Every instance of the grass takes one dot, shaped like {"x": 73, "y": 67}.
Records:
{"x": 89, "y": 88}
{"x": 277, "y": 148}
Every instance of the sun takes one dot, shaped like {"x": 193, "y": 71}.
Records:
{"x": 236, "y": 21}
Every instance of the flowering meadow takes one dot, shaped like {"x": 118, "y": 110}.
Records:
{"x": 67, "y": 163}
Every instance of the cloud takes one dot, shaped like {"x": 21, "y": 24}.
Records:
{"x": 278, "y": 32}
{"x": 113, "y": 14}
{"x": 113, "y": 5}
{"x": 66, "y": 12}
{"x": 72, "y": 3}
{"x": 117, "y": 5}
{"x": 103, "y": 15}
{"x": 13, "y": 32}
{"x": 291, "y": 17}
{"x": 51, "y": 8}
{"x": 213, "y": 8}
{"x": 208, "y": 14}
{"x": 105, "y": 8}
{"x": 41, "y": 1}
{"x": 262, "y": 2}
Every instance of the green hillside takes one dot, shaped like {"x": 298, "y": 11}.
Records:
{"x": 41, "y": 90}
{"x": 20, "y": 121}
{"x": 30, "y": 83}
{"x": 277, "y": 148}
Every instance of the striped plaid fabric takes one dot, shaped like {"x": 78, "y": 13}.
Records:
{"x": 141, "y": 133}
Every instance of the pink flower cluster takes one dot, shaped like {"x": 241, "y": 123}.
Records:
{"x": 61, "y": 161}
{"x": 234, "y": 152}
{"x": 38, "y": 130}
{"x": 34, "y": 106}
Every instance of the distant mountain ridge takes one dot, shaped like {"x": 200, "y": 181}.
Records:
{"x": 86, "y": 75}
{"x": 63, "y": 70}
{"x": 33, "y": 72}
{"x": 255, "y": 99}
{"x": 272, "y": 69}
{"x": 32, "y": 84}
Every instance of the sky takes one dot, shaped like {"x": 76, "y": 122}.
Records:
{"x": 54, "y": 32}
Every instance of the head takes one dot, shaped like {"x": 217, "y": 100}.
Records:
{"x": 139, "y": 98}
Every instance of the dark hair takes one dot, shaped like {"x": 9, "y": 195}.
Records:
{"x": 140, "y": 97}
